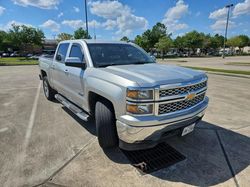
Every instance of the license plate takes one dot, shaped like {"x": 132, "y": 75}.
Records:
{"x": 188, "y": 129}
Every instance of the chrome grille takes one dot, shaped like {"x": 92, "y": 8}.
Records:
{"x": 179, "y": 105}
{"x": 182, "y": 90}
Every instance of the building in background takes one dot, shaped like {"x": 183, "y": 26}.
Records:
{"x": 49, "y": 46}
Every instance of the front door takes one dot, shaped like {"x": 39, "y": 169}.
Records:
{"x": 75, "y": 78}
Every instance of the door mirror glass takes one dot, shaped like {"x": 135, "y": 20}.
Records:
{"x": 58, "y": 57}
{"x": 75, "y": 62}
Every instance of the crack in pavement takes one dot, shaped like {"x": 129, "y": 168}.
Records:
{"x": 227, "y": 159}
{"x": 68, "y": 162}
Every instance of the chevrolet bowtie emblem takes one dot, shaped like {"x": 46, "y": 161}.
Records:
{"x": 190, "y": 96}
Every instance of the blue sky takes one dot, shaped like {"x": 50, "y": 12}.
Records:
{"x": 114, "y": 19}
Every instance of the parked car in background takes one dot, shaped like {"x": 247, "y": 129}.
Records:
{"x": 5, "y": 55}
{"x": 35, "y": 57}
{"x": 15, "y": 54}
{"x": 29, "y": 55}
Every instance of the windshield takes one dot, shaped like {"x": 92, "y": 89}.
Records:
{"x": 117, "y": 54}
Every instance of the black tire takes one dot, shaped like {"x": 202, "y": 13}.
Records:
{"x": 105, "y": 124}
{"x": 48, "y": 91}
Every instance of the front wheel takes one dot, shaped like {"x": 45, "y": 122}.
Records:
{"x": 48, "y": 91}
{"x": 105, "y": 124}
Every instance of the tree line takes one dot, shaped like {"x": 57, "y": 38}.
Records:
{"x": 158, "y": 39}
{"x": 28, "y": 39}
{"x": 21, "y": 38}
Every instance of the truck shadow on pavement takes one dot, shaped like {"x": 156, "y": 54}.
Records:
{"x": 213, "y": 155}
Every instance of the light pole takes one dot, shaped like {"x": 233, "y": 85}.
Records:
{"x": 225, "y": 38}
{"x": 86, "y": 17}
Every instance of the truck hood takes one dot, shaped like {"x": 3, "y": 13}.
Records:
{"x": 155, "y": 74}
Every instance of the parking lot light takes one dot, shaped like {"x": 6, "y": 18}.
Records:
{"x": 225, "y": 38}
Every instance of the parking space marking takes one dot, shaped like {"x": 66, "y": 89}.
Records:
{"x": 32, "y": 118}
{"x": 4, "y": 129}
{"x": 13, "y": 89}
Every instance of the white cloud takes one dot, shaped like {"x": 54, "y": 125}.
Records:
{"x": 43, "y": 4}
{"x": 110, "y": 24}
{"x": 75, "y": 24}
{"x": 117, "y": 16}
{"x": 109, "y": 9}
{"x": 242, "y": 8}
{"x": 52, "y": 25}
{"x": 221, "y": 25}
{"x": 13, "y": 22}
{"x": 76, "y": 9}
{"x": 218, "y": 14}
{"x": 60, "y": 14}
{"x": 2, "y": 9}
{"x": 176, "y": 12}
{"x": 94, "y": 23}
{"x": 173, "y": 16}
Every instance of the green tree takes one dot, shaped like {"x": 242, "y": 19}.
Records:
{"x": 3, "y": 39}
{"x": 158, "y": 31}
{"x": 243, "y": 40}
{"x": 125, "y": 38}
{"x": 142, "y": 41}
{"x": 164, "y": 44}
{"x": 149, "y": 38}
{"x": 81, "y": 34}
{"x": 64, "y": 36}
{"x": 25, "y": 38}
{"x": 233, "y": 42}
{"x": 179, "y": 43}
{"x": 193, "y": 40}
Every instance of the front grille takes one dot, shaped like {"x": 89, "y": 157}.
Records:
{"x": 180, "y": 105}
{"x": 182, "y": 90}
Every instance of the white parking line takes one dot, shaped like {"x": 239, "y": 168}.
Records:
{"x": 31, "y": 119}
{"x": 20, "y": 88}
{"x": 4, "y": 129}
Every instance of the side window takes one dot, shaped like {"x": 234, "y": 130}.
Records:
{"x": 62, "y": 51}
{"x": 76, "y": 51}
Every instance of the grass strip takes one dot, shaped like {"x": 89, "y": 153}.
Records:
{"x": 240, "y": 72}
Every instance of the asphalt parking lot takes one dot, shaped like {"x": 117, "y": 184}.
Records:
{"x": 42, "y": 143}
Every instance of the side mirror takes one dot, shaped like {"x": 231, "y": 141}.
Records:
{"x": 58, "y": 57}
{"x": 75, "y": 62}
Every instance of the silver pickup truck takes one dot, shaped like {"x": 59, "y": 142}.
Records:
{"x": 136, "y": 102}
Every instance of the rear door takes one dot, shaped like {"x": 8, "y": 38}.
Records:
{"x": 59, "y": 69}
{"x": 75, "y": 78}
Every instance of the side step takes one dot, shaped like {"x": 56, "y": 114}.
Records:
{"x": 73, "y": 108}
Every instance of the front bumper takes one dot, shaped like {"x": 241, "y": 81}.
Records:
{"x": 146, "y": 131}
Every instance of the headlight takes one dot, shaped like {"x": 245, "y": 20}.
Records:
{"x": 140, "y": 108}
{"x": 140, "y": 94}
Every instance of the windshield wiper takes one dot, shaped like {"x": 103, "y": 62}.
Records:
{"x": 141, "y": 62}
{"x": 108, "y": 64}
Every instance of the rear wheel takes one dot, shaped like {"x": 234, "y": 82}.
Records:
{"x": 48, "y": 91}
{"x": 105, "y": 124}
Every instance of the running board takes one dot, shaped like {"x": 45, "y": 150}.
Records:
{"x": 73, "y": 108}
